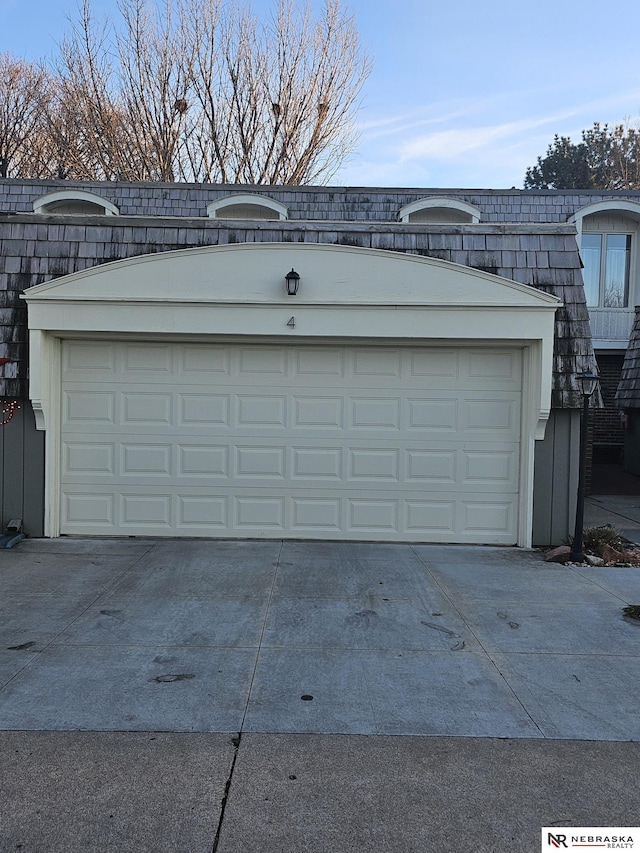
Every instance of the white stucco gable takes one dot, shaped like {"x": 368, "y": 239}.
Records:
{"x": 254, "y": 273}
{"x": 238, "y": 292}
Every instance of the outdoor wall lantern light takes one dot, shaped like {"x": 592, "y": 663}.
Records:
{"x": 587, "y": 382}
{"x": 293, "y": 282}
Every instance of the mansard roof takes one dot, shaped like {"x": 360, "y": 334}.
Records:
{"x": 523, "y": 236}
{"x": 324, "y": 203}
{"x": 628, "y": 393}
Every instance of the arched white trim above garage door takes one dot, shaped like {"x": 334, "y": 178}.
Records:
{"x": 235, "y": 296}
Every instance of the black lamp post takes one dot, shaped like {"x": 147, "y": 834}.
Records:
{"x": 588, "y": 383}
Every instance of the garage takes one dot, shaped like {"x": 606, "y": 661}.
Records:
{"x": 392, "y": 398}
{"x": 341, "y": 442}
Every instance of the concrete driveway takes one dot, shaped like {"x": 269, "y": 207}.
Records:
{"x": 213, "y": 696}
{"x": 307, "y": 637}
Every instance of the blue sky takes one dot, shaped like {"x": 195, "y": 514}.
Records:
{"x": 463, "y": 94}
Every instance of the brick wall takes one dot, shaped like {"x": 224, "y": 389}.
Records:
{"x": 608, "y": 433}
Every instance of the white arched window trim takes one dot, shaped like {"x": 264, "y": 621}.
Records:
{"x": 436, "y": 201}
{"x": 629, "y": 210}
{"x": 622, "y": 206}
{"x": 40, "y": 204}
{"x": 217, "y": 207}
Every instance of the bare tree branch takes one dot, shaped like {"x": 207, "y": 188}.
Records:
{"x": 196, "y": 90}
{"x": 24, "y": 92}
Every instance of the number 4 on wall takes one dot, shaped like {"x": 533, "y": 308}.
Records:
{"x": 292, "y": 322}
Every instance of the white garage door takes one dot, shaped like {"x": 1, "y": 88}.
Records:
{"x": 336, "y": 442}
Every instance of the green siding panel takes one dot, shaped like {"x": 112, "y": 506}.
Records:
{"x": 22, "y": 471}
{"x": 556, "y": 479}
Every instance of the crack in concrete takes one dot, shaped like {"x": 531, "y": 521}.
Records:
{"x": 237, "y": 739}
{"x": 227, "y": 788}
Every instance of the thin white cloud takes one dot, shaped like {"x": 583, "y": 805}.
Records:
{"x": 456, "y": 153}
{"x": 437, "y": 112}
{"x": 393, "y": 125}
{"x": 457, "y": 141}
{"x": 451, "y": 144}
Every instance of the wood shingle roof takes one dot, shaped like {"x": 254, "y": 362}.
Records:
{"x": 628, "y": 393}
{"x": 508, "y": 242}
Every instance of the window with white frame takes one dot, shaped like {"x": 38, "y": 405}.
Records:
{"x": 609, "y": 239}
{"x": 607, "y": 263}
{"x": 608, "y": 244}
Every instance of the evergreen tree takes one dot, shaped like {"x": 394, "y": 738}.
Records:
{"x": 606, "y": 158}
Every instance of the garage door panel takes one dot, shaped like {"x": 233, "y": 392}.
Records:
{"x": 146, "y": 409}
{"x": 435, "y": 364}
{"x": 146, "y": 459}
{"x": 318, "y": 411}
{"x": 374, "y": 413}
{"x": 437, "y": 516}
{"x": 203, "y": 461}
{"x": 203, "y": 410}
{"x": 147, "y": 358}
{"x": 431, "y": 467}
{"x": 489, "y": 468}
{"x": 429, "y": 414}
{"x": 319, "y": 363}
{"x": 487, "y": 517}
{"x": 262, "y": 361}
{"x": 89, "y": 458}
{"x": 317, "y": 463}
{"x": 374, "y": 464}
{"x": 261, "y": 410}
{"x": 254, "y": 513}
{"x": 491, "y": 369}
{"x": 211, "y": 513}
{"x": 84, "y": 511}
{"x": 260, "y": 462}
{"x": 197, "y": 362}
{"x": 303, "y": 441}
{"x": 484, "y": 416}
{"x": 82, "y": 408}
{"x": 146, "y": 510}
{"x": 376, "y": 363}
{"x": 203, "y": 514}
{"x": 317, "y": 515}
{"x": 372, "y": 515}
{"x": 83, "y": 359}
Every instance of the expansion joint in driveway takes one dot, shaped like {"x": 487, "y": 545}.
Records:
{"x": 227, "y": 788}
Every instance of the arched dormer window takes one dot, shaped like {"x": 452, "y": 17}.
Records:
{"x": 608, "y": 236}
{"x": 74, "y": 202}
{"x": 246, "y": 206}
{"x": 439, "y": 210}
